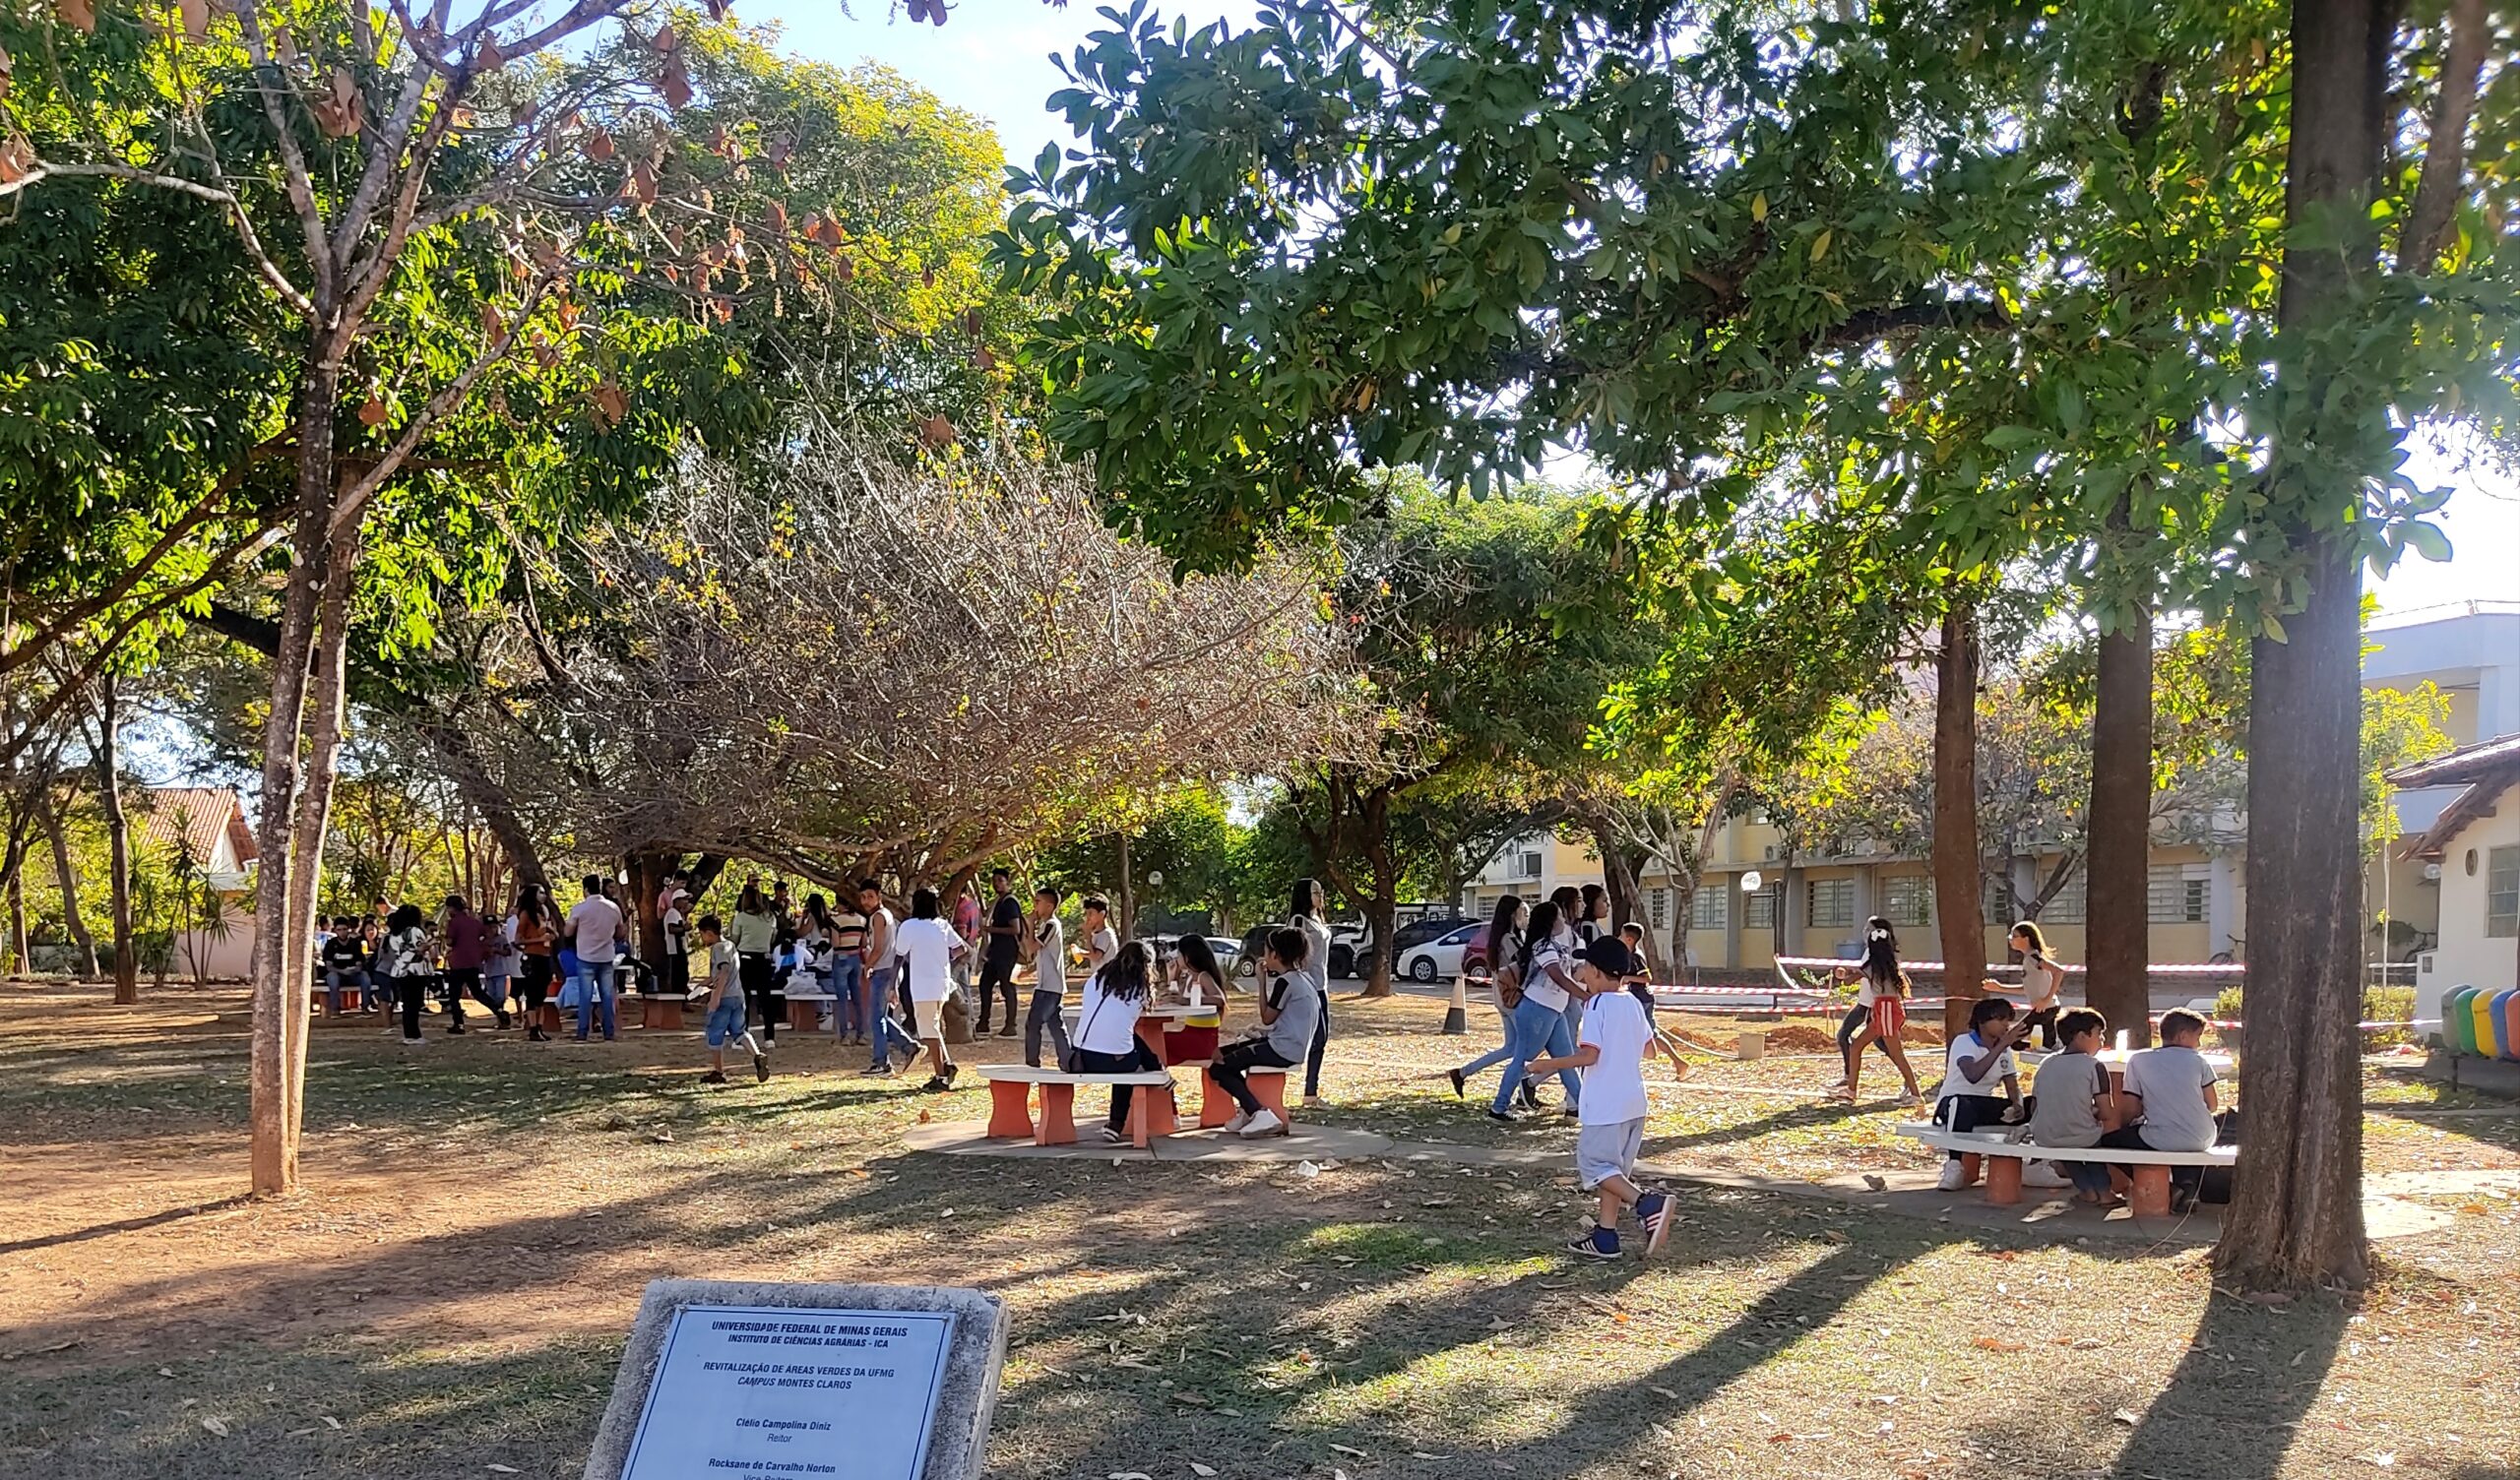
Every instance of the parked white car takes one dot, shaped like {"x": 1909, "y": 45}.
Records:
{"x": 1440, "y": 958}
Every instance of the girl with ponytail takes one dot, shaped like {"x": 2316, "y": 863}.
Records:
{"x": 1882, "y": 994}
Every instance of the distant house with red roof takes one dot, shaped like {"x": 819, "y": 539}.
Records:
{"x": 206, "y": 827}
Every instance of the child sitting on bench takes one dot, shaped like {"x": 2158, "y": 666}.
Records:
{"x": 2076, "y": 1104}
{"x": 2170, "y": 1102}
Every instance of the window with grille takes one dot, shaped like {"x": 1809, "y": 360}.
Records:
{"x": 1759, "y": 911}
{"x": 1830, "y": 903}
{"x": 1908, "y": 899}
{"x": 2503, "y": 891}
{"x": 2066, "y": 905}
{"x": 1706, "y": 906}
{"x": 2175, "y": 892}
{"x": 1657, "y": 907}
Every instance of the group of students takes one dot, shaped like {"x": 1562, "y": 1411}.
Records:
{"x": 2165, "y": 1102}
{"x": 1533, "y": 956}
{"x": 399, "y": 958}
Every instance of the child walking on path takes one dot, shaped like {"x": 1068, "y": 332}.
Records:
{"x": 727, "y": 1006}
{"x": 1616, "y": 1039}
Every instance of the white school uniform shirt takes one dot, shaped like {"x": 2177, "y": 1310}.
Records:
{"x": 928, "y": 946}
{"x": 1537, "y": 984}
{"x": 1956, "y": 1082}
{"x": 1615, "y": 1022}
{"x": 1105, "y": 1024}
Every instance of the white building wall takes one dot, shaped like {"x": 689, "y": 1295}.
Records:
{"x": 2465, "y": 955}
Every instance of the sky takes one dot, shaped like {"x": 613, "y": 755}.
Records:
{"x": 993, "y": 58}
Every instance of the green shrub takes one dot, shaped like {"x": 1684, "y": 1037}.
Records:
{"x": 2388, "y": 1005}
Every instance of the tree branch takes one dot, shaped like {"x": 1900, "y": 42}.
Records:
{"x": 2437, "y": 190}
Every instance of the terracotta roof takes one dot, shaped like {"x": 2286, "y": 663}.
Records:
{"x": 196, "y": 814}
{"x": 2489, "y": 769}
{"x": 2485, "y": 760}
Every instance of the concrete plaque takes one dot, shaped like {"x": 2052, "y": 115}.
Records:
{"x": 729, "y": 1378}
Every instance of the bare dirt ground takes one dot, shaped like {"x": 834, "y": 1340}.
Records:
{"x": 450, "y": 1295}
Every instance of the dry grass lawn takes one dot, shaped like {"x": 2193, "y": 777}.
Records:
{"x": 449, "y": 1297}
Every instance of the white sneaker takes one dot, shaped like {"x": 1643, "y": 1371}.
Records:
{"x": 2043, "y": 1174}
{"x": 1265, "y": 1122}
{"x": 1955, "y": 1175}
{"x": 1235, "y": 1125}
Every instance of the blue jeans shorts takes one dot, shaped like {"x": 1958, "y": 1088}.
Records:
{"x": 726, "y": 1021}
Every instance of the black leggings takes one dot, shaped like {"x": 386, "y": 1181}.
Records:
{"x": 1312, "y": 1060}
{"x": 1969, "y": 1112}
{"x": 534, "y": 983}
{"x": 1236, "y": 1061}
{"x": 1140, "y": 1059}
{"x": 2045, "y": 1020}
{"x": 414, "y": 993}
{"x": 761, "y": 989}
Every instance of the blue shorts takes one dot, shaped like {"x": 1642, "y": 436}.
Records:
{"x": 726, "y": 1021}
{"x": 1606, "y": 1152}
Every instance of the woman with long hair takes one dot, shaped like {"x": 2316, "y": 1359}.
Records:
{"x": 1306, "y": 915}
{"x": 1884, "y": 993}
{"x": 1501, "y": 942}
{"x": 1107, "y": 1028}
{"x": 529, "y": 926}
{"x": 1548, "y": 974}
{"x": 2042, "y": 981}
{"x": 1200, "y": 981}
{"x": 1591, "y": 920}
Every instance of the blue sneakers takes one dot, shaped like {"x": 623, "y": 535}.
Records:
{"x": 1600, "y": 1243}
{"x": 1654, "y": 1212}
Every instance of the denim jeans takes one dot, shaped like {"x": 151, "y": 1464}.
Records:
{"x": 356, "y": 976}
{"x": 1540, "y": 1033}
{"x": 1496, "y": 1055}
{"x": 845, "y": 980}
{"x": 1045, "y": 1016}
{"x": 595, "y": 984}
{"x": 882, "y": 1032}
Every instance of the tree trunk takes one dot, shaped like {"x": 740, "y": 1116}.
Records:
{"x": 648, "y": 872}
{"x": 2118, "y": 862}
{"x": 18, "y": 952}
{"x": 1955, "y": 816}
{"x": 117, "y": 838}
{"x": 1382, "y": 900}
{"x": 1127, "y": 903}
{"x": 328, "y": 696}
{"x": 2296, "y": 1218}
{"x": 274, "y": 1043}
{"x": 68, "y": 874}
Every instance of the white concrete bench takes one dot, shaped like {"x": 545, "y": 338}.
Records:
{"x": 2003, "y": 1158}
{"x": 1010, "y": 1096}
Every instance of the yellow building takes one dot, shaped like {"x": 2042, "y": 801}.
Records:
{"x": 1817, "y": 906}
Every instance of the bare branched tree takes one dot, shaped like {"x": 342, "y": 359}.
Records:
{"x": 848, "y": 665}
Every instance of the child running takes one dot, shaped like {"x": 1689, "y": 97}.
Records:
{"x": 726, "y": 1005}
{"x": 1885, "y": 1018}
{"x": 1616, "y": 1039}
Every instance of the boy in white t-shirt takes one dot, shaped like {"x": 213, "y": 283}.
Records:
{"x": 1617, "y": 1038}
{"x": 725, "y": 1007}
{"x": 1980, "y": 1063}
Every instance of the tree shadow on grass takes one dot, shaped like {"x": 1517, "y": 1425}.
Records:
{"x": 2233, "y": 1408}
{"x": 123, "y": 1225}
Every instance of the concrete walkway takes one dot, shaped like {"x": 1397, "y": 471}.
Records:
{"x": 1903, "y": 1194}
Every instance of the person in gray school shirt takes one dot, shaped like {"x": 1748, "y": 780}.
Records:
{"x": 2174, "y": 1086}
{"x": 1289, "y": 1008}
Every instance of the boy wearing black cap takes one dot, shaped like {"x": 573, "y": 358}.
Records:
{"x": 1611, "y": 1051}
